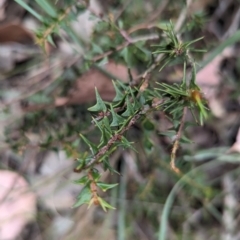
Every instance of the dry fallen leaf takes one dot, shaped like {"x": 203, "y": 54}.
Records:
{"x": 17, "y": 204}
{"x": 16, "y": 44}
{"x": 84, "y": 89}
{"x": 15, "y": 33}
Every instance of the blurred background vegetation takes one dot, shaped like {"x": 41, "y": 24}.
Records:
{"x": 52, "y": 55}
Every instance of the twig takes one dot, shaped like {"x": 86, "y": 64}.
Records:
{"x": 93, "y": 188}
{"x": 45, "y": 72}
{"x": 176, "y": 142}
{"x": 116, "y": 137}
{"x": 125, "y": 36}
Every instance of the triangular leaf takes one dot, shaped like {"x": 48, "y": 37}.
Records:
{"x": 91, "y": 145}
{"x": 84, "y": 197}
{"x": 184, "y": 139}
{"x": 171, "y": 134}
{"x": 50, "y": 40}
{"x": 129, "y": 111}
{"x": 116, "y": 119}
{"x": 100, "y": 105}
{"x": 126, "y": 144}
{"x": 96, "y": 48}
{"x": 119, "y": 94}
{"x": 104, "y": 204}
{"x": 122, "y": 85}
{"x": 80, "y": 163}
{"x": 96, "y": 175}
{"x": 105, "y": 186}
{"x": 127, "y": 56}
{"x": 105, "y": 129}
{"x": 82, "y": 180}
{"x": 136, "y": 105}
{"x": 107, "y": 166}
{"x": 106, "y": 125}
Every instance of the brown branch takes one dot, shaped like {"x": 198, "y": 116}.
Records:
{"x": 180, "y": 21}
{"x": 176, "y": 142}
{"x": 125, "y": 36}
{"x": 93, "y": 188}
{"x": 116, "y": 137}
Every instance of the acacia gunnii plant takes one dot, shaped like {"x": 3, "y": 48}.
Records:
{"x": 133, "y": 101}
{"x": 131, "y": 104}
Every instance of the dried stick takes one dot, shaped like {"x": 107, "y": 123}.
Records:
{"x": 176, "y": 142}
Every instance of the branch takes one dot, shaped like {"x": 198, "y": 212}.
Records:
{"x": 176, "y": 142}
{"x": 116, "y": 137}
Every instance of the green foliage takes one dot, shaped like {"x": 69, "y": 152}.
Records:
{"x": 115, "y": 121}
{"x": 134, "y": 101}
{"x": 100, "y": 105}
{"x": 54, "y": 19}
{"x": 174, "y": 48}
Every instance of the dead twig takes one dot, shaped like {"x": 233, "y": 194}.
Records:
{"x": 176, "y": 142}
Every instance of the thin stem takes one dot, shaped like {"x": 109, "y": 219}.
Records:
{"x": 93, "y": 188}
{"x": 176, "y": 142}
{"x": 116, "y": 137}
{"x": 187, "y": 178}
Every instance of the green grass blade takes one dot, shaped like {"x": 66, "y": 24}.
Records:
{"x": 228, "y": 42}
{"x": 29, "y": 9}
{"x": 162, "y": 235}
{"x": 47, "y": 7}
